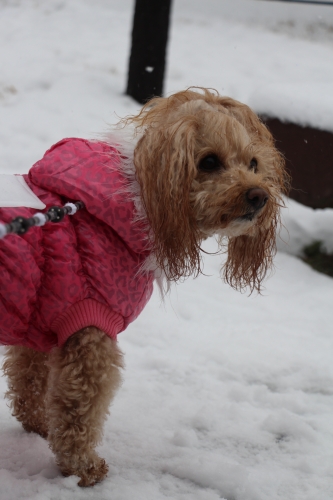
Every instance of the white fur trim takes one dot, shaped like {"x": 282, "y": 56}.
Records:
{"x": 125, "y": 139}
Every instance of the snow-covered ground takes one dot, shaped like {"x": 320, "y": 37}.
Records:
{"x": 225, "y": 396}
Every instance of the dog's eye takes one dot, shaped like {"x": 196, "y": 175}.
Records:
{"x": 254, "y": 165}
{"x": 210, "y": 163}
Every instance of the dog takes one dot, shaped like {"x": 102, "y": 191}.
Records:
{"x": 187, "y": 167}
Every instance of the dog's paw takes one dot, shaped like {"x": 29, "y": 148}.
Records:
{"x": 89, "y": 473}
{"x": 93, "y": 474}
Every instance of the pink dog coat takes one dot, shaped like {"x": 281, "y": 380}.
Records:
{"x": 83, "y": 271}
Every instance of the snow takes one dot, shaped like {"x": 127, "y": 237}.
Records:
{"x": 225, "y": 396}
{"x": 302, "y": 225}
{"x": 284, "y": 72}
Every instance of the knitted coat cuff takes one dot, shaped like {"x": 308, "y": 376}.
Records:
{"x": 85, "y": 313}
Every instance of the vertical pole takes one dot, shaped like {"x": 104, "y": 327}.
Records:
{"x": 148, "y": 53}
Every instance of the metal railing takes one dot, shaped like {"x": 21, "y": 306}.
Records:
{"x": 318, "y": 2}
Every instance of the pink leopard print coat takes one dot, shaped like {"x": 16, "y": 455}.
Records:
{"x": 85, "y": 270}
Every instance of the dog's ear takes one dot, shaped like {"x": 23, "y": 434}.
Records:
{"x": 164, "y": 161}
{"x": 250, "y": 256}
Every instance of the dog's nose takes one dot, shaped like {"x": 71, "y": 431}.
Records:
{"x": 257, "y": 197}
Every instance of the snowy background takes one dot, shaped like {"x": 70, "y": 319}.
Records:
{"x": 225, "y": 396}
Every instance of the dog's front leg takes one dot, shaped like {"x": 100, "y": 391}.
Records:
{"x": 84, "y": 376}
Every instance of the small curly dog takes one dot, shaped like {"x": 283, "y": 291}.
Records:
{"x": 187, "y": 167}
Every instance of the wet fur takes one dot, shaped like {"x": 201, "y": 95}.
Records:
{"x": 65, "y": 395}
{"x": 184, "y": 206}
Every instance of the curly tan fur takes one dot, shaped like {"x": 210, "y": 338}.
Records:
{"x": 84, "y": 376}
{"x": 27, "y": 374}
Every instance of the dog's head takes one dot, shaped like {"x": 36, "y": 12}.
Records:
{"x": 207, "y": 165}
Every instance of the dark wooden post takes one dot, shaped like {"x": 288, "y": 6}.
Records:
{"x": 148, "y": 53}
